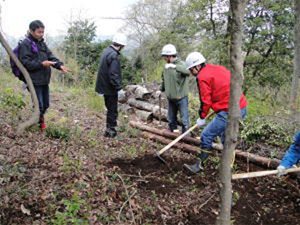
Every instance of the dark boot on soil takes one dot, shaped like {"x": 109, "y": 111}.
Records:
{"x": 110, "y": 132}
{"x": 42, "y": 123}
{"x": 195, "y": 168}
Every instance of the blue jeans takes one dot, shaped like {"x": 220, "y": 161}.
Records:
{"x": 42, "y": 93}
{"x": 180, "y": 105}
{"x": 216, "y": 127}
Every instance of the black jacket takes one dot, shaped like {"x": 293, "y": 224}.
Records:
{"x": 109, "y": 75}
{"x": 39, "y": 74}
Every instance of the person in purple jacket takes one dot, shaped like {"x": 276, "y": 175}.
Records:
{"x": 291, "y": 157}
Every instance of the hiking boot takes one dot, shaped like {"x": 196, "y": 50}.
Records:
{"x": 195, "y": 168}
{"x": 110, "y": 132}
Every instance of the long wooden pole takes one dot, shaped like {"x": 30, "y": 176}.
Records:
{"x": 261, "y": 173}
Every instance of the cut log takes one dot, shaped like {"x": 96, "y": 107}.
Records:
{"x": 163, "y": 132}
{"x": 256, "y": 159}
{"x": 144, "y": 116}
{"x": 139, "y": 92}
{"x": 124, "y": 108}
{"x": 249, "y": 157}
{"x": 182, "y": 146}
{"x": 148, "y": 107}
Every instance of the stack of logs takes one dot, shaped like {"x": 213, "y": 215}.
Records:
{"x": 137, "y": 102}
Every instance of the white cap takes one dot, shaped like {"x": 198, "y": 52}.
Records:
{"x": 169, "y": 49}
{"x": 120, "y": 39}
{"x": 194, "y": 59}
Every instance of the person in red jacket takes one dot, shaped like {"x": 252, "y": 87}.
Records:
{"x": 213, "y": 82}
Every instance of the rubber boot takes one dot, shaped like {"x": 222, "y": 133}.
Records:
{"x": 198, "y": 166}
{"x": 110, "y": 132}
{"x": 195, "y": 168}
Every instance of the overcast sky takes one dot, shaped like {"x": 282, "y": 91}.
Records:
{"x": 17, "y": 14}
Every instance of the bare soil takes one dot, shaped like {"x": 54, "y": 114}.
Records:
{"x": 119, "y": 181}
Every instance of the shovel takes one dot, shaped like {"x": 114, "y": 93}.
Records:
{"x": 158, "y": 154}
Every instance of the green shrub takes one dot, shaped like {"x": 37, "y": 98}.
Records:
{"x": 58, "y": 132}
{"x": 12, "y": 100}
{"x": 270, "y": 131}
{"x": 71, "y": 213}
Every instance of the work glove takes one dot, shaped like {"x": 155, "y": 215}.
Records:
{"x": 158, "y": 93}
{"x": 200, "y": 122}
{"x": 281, "y": 170}
{"x": 170, "y": 65}
{"x": 121, "y": 94}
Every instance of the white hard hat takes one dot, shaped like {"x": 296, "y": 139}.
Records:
{"x": 120, "y": 39}
{"x": 194, "y": 59}
{"x": 169, "y": 49}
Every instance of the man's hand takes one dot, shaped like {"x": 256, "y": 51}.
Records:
{"x": 170, "y": 65}
{"x": 281, "y": 170}
{"x": 48, "y": 63}
{"x": 200, "y": 122}
{"x": 121, "y": 94}
{"x": 64, "y": 69}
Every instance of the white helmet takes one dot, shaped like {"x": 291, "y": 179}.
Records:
{"x": 169, "y": 49}
{"x": 194, "y": 59}
{"x": 120, "y": 39}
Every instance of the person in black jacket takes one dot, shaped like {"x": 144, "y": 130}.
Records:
{"x": 109, "y": 82}
{"x": 38, "y": 65}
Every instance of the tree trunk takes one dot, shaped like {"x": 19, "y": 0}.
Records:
{"x": 35, "y": 116}
{"x": 236, "y": 61}
{"x": 294, "y": 104}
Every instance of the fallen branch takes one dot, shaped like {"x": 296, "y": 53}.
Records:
{"x": 128, "y": 199}
{"x": 261, "y": 173}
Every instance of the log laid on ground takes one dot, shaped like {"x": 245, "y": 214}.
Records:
{"x": 164, "y": 132}
{"x": 261, "y": 173}
{"x": 139, "y": 92}
{"x": 184, "y": 147}
{"x": 256, "y": 159}
{"x": 144, "y": 115}
{"x": 259, "y": 160}
{"x": 148, "y": 107}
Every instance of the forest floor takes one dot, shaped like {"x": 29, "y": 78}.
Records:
{"x": 71, "y": 174}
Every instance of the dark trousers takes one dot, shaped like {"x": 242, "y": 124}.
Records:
{"x": 111, "y": 103}
{"x": 42, "y": 93}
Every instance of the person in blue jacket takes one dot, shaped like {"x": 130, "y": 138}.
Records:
{"x": 291, "y": 157}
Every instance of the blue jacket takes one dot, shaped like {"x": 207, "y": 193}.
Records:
{"x": 292, "y": 156}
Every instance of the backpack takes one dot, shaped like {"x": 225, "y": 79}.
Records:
{"x": 15, "y": 70}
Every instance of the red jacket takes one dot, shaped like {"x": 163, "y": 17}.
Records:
{"x": 214, "y": 89}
